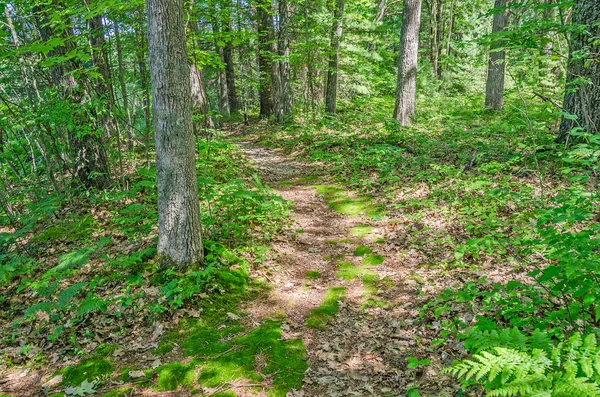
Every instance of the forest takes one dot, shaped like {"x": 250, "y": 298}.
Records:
{"x": 300, "y": 198}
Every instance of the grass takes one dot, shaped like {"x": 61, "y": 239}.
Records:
{"x": 320, "y": 316}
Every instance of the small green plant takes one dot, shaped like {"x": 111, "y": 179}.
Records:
{"x": 572, "y": 368}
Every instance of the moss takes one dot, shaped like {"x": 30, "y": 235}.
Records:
{"x": 88, "y": 369}
{"x": 126, "y": 391}
{"x": 172, "y": 375}
{"x": 361, "y": 250}
{"x": 373, "y": 260}
{"x": 313, "y": 275}
{"x": 343, "y": 203}
{"x": 361, "y": 230}
{"x": 348, "y": 271}
{"x": 320, "y": 316}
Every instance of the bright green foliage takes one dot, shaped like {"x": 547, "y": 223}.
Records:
{"x": 320, "y": 316}
{"x": 373, "y": 260}
{"x": 572, "y": 368}
{"x": 361, "y": 231}
{"x": 313, "y": 275}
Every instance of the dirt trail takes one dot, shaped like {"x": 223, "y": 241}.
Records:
{"x": 363, "y": 349}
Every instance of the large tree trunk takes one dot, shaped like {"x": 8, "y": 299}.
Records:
{"x": 285, "y": 9}
{"x": 123, "y": 86}
{"x": 582, "y": 96}
{"x": 199, "y": 98}
{"x": 234, "y": 102}
{"x": 406, "y": 88}
{"x": 265, "y": 38}
{"x": 90, "y": 163}
{"x": 222, "y": 87}
{"x": 494, "y": 87}
{"x": 334, "y": 58}
{"x": 179, "y": 227}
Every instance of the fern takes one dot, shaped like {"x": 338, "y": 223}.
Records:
{"x": 572, "y": 368}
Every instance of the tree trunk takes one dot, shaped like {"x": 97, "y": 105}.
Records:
{"x": 199, "y": 98}
{"x": 265, "y": 37}
{"x": 90, "y": 163}
{"x": 104, "y": 88}
{"x": 334, "y": 58}
{"x": 582, "y": 96}
{"x": 285, "y": 9}
{"x": 222, "y": 94}
{"x": 179, "y": 224}
{"x": 435, "y": 45}
{"x": 494, "y": 86}
{"x": 234, "y": 102}
{"x": 406, "y": 88}
{"x": 123, "y": 86}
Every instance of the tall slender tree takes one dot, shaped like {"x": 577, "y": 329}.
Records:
{"x": 285, "y": 9}
{"x": 179, "y": 234}
{"x": 406, "y": 86}
{"x": 494, "y": 86}
{"x": 334, "y": 58}
{"x": 582, "y": 96}
{"x": 265, "y": 53}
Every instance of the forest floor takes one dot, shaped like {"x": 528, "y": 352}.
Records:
{"x": 348, "y": 288}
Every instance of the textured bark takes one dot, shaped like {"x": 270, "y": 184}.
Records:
{"x": 104, "y": 88}
{"x": 179, "y": 234}
{"x": 123, "y": 86}
{"x": 234, "y": 101}
{"x": 265, "y": 38}
{"x": 406, "y": 86}
{"x": 222, "y": 89}
{"x": 199, "y": 98}
{"x": 90, "y": 163}
{"x": 285, "y": 9}
{"x": 334, "y": 58}
{"x": 494, "y": 86}
{"x": 582, "y": 96}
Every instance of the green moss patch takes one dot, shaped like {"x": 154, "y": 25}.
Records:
{"x": 361, "y": 250}
{"x": 373, "y": 260}
{"x": 322, "y": 315}
{"x": 361, "y": 231}
{"x": 95, "y": 366}
{"x": 348, "y": 271}
{"x": 222, "y": 350}
{"x": 343, "y": 203}
{"x": 313, "y": 275}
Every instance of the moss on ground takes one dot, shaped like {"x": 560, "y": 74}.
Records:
{"x": 95, "y": 366}
{"x": 361, "y": 230}
{"x": 361, "y": 250}
{"x": 373, "y": 260}
{"x": 320, "y": 316}
{"x": 313, "y": 274}
{"x": 124, "y": 392}
{"x": 343, "y": 203}
{"x": 222, "y": 350}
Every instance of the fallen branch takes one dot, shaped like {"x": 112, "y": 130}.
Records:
{"x": 547, "y": 99}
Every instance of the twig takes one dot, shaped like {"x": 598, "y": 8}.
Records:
{"x": 548, "y": 99}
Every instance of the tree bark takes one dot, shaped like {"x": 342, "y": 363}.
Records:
{"x": 179, "y": 234}
{"x": 265, "y": 38}
{"x": 582, "y": 95}
{"x": 494, "y": 86}
{"x": 435, "y": 45}
{"x": 234, "y": 102}
{"x": 199, "y": 98}
{"x": 123, "y": 86}
{"x": 90, "y": 164}
{"x": 222, "y": 87}
{"x": 406, "y": 87}
{"x": 334, "y": 58}
{"x": 285, "y": 9}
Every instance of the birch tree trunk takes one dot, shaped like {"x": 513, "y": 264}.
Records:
{"x": 494, "y": 85}
{"x": 334, "y": 58}
{"x": 582, "y": 96}
{"x": 179, "y": 235}
{"x": 406, "y": 87}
